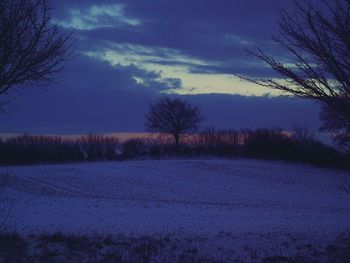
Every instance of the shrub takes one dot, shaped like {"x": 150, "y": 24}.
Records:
{"x": 133, "y": 148}
{"x": 211, "y": 141}
{"x": 29, "y": 149}
{"x": 267, "y": 144}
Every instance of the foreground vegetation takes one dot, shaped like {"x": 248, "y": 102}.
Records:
{"x": 59, "y": 247}
{"x": 272, "y": 144}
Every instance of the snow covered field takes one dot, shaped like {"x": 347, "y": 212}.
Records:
{"x": 241, "y": 200}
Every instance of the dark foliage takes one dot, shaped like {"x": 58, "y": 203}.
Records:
{"x": 70, "y": 247}
{"x": 30, "y": 149}
{"x": 134, "y": 148}
{"x": 13, "y": 247}
{"x": 217, "y": 142}
{"x": 272, "y": 144}
{"x": 38, "y": 149}
{"x": 277, "y": 145}
{"x": 97, "y": 147}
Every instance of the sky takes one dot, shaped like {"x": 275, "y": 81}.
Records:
{"x": 131, "y": 52}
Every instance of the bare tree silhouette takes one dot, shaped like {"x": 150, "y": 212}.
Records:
{"x": 173, "y": 116}
{"x": 317, "y": 36}
{"x": 32, "y": 48}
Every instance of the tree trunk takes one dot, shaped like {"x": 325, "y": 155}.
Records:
{"x": 177, "y": 142}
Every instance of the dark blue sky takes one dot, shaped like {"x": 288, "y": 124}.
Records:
{"x": 131, "y": 51}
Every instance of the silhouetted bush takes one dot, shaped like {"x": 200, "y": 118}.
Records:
{"x": 265, "y": 143}
{"x": 315, "y": 152}
{"x": 98, "y": 147}
{"x": 273, "y": 144}
{"x": 216, "y": 142}
{"x": 297, "y": 147}
{"x": 134, "y": 148}
{"x": 29, "y": 149}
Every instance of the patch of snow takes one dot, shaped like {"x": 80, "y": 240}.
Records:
{"x": 198, "y": 197}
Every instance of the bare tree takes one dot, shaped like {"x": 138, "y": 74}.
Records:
{"x": 32, "y": 49}
{"x": 317, "y": 38}
{"x": 173, "y": 116}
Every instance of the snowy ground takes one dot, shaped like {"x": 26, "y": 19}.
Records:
{"x": 219, "y": 199}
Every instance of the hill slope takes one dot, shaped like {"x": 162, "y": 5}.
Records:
{"x": 192, "y": 196}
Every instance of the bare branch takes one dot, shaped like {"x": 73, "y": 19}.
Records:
{"x": 32, "y": 49}
{"x": 173, "y": 116}
{"x": 318, "y": 39}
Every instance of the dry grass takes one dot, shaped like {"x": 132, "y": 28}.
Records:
{"x": 61, "y": 247}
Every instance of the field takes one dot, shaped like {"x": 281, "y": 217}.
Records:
{"x": 220, "y": 206}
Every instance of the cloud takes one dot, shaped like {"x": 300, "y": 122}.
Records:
{"x": 86, "y": 72}
{"x": 94, "y": 96}
{"x": 98, "y": 16}
{"x": 132, "y": 52}
{"x": 216, "y": 33}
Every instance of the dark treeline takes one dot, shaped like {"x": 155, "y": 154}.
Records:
{"x": 30, "y": 149}
{"x": 273, "y": 144}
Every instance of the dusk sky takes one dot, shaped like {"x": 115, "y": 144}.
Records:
{"x": 130, "y": 52}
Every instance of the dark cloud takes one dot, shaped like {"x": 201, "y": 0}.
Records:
{"x": 215, "y": 31}
{"x": 101, "y": 111}
{"x": 84, "y": 73}
{"x": 241, "y": 112}
{"x": 94, "y": 96}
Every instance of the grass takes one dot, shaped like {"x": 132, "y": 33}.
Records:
{"x": 67, "y": 247}
{"x": 13, "y": 247}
